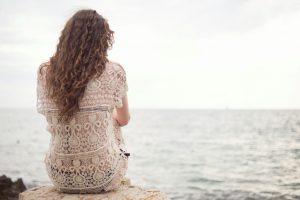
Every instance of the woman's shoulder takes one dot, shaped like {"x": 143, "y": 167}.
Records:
{"x": 115, "y": 66}
{"x": 43, "y": 67}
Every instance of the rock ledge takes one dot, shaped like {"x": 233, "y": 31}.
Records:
{"x": 126, "y": 191}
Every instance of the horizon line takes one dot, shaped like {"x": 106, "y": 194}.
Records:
{"x": 179, "y": 108}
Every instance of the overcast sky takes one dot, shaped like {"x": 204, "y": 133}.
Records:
{"x": 177, "y": 54}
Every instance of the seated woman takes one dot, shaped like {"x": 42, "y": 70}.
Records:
{"x": 83, "y": 97}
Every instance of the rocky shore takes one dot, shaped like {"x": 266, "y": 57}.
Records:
{"x": 126, "y": 191}
{"x": 10, "y": 190}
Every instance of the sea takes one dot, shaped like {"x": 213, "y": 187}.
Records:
{"x": 187, "y": 154}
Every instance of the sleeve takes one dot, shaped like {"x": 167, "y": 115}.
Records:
{"x": 121, "y": 86}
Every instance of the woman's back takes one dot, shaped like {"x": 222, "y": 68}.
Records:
{"x": 86, "y": 154}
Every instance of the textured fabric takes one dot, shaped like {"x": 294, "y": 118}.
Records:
{"x": 84, "y": 154}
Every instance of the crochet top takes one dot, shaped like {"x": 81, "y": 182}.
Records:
{"x": 86, "y": 155}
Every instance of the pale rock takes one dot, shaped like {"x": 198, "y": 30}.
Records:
{"x": 125, "y": 192}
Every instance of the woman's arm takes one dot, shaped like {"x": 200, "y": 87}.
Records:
{"x": 121, "y": 115}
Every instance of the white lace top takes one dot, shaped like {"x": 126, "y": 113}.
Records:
{"x": 84, "y": 155}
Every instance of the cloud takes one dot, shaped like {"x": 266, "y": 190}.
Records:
{"x": 196, "y": 54}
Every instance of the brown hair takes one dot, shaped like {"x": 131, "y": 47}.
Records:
{"x": 81, "y": 54}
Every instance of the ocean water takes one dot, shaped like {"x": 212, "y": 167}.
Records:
{"x": 188, "y": 154}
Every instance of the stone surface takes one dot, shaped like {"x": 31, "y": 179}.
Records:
{"x": 10, "y": 190}
{"x": 125, "y": 192}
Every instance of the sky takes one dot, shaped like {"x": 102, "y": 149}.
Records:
{"x": 196, "y": 54}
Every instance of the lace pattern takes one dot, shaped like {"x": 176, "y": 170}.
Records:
{"x": 84, "y": 154}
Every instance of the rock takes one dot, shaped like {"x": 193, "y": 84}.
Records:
{"x": 10, "y": 190}
{"x": 125, "y": 192}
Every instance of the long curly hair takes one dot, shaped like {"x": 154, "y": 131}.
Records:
{"x": 81, "y": 54}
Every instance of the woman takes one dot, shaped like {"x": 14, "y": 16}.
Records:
{"x": 83, "y": 97}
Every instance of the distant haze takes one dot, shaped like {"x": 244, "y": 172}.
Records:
{"x": 177, "y": 54}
